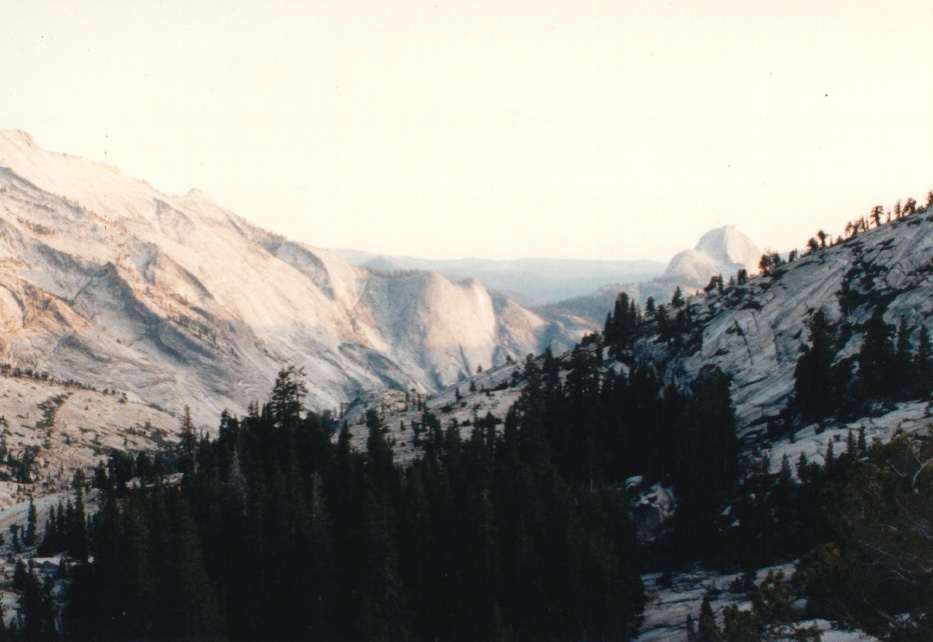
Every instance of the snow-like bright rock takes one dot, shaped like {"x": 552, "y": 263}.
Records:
{"x": 177, "y": 301}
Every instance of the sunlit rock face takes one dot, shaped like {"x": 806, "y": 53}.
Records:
{"x": 176, "y": 301}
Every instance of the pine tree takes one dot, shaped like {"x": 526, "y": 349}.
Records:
{"x": 288, "y": 397}
{"x": 769, "y": 262}
{"x": 321, "y": 575}
{"x": 677, "y": 301}
{"x": 189, "y": 444}
{"x": 192, "y": 610}
{"x": 924, "y": 363}
{"x": 903, "y": 367}
{"x": 707, "y": 629}
{"x": 861, "y": 444}
{"x": 14, "y": 538}
{"x": 817, "y": 391}
{"x": 136, "y": 580}
{"x": 31, "y": 523}
{"x": 876, "y": 357}
{"x": 740, "y": 626}
{"x": 77, "y": 526}
{"x": 34, "y": 608}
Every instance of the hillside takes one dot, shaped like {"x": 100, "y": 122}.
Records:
{"x": 754, "y": 332}
{"x": 50, "y": 429}
{"x": 768, "y": 515}
{"x": 177, "y": 301}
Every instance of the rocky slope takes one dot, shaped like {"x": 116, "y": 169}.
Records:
{"x": 754, "y": 332}
{"x": 49, "y": 429}
{"x": 177, "y": 301}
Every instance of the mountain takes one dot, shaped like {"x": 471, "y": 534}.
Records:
{"x": 753, "y": 332}
{"x": 532, "y": 281}
{"x": 720, "y": 252}
{"x": 175, "y": 300}
{"x": 712, "y": 391}
{"x": 724, "y": 251}
{"x": 610, "y": 490}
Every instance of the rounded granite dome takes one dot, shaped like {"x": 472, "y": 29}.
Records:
{"x": 724, "y": 250}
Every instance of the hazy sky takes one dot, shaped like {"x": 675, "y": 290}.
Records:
{"x": 616, "y": 129}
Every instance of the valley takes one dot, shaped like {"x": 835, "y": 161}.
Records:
{"x": 414, "y": 454}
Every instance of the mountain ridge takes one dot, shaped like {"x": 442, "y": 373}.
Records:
{"x": 754, "y": 332}
{"x": 531, "y": 281}
{"x": 175, "y": 298}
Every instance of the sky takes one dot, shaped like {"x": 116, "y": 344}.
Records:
{"x": 617, "y": 129}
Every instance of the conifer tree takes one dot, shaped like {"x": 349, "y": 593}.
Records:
{"x": 677, "y": 300}
{"x": 321, "y": 580}
{"x": 903, "y": 366}
{"x": 288, "y": 397}
{"x": 189, "y": 443}
{"x": 29, "y": 540}
{"x": 192, "y": 607}
{"x": 862, "y": 446}
{"x": 815, "y": 384}
{"x": 876, "y": 358}
{"x": 707, "y": 629}
{"x": 924, "y": 363}
{"x": 34, "y": 609}
{"x": 77, "y": 527}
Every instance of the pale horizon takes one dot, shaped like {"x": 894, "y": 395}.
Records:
{"x": 596, "y": 130}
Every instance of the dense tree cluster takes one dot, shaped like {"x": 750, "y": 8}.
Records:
{"x": 889, "y": 366}
{"x": 675, "y": 325}
{"x": 877, "y": 567}
{"x": 862, "y": 520}
{"x": 606, "y": 426}
{"x": 278, "y": 532}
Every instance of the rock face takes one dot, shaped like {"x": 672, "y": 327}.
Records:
{"x": 755, "y": 332}
{"x": 175, "y": 300}
{"x": 724, "y": 251}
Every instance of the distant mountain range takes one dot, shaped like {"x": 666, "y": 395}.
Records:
{"x": 588, "y": 289}
{"x": 720, "y": 252}
{"x": 532, "y": 281}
